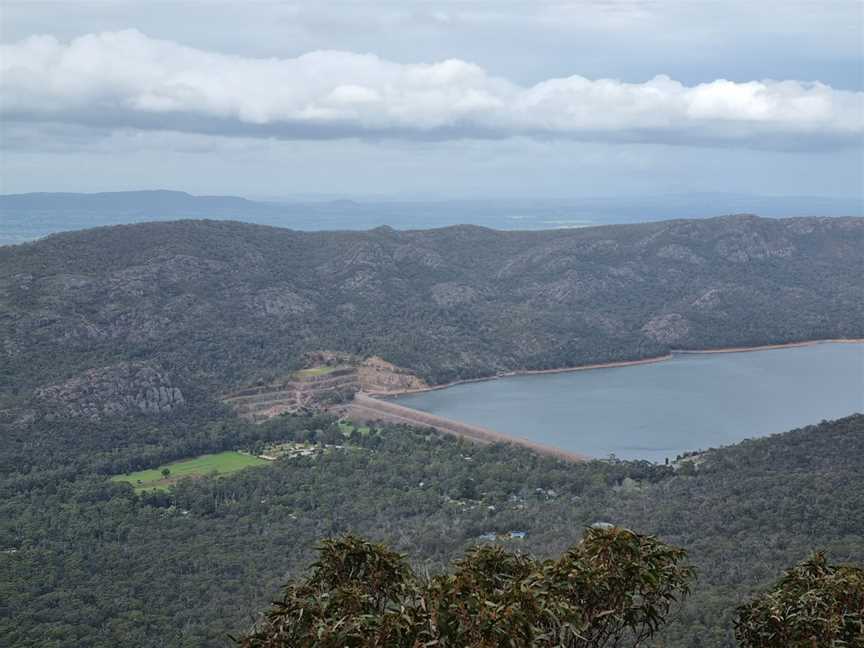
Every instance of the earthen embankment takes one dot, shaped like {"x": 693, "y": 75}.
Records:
{"x": 366, "y": 408}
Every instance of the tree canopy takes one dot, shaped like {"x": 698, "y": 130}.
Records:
{"x": 613, "y": 588}
{"x": 814, "y": 605}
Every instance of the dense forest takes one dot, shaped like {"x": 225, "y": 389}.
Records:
{"x": 202, "y": 306}
{"x": 84, "y": 561}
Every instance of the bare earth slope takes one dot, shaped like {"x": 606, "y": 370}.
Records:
{"x": 203, "y": 307}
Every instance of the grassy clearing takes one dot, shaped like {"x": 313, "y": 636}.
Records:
{"x": 222, "y": 463}
{"x": 315, "y": 371}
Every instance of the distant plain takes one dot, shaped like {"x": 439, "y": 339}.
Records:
{"x": 26, "y": 217}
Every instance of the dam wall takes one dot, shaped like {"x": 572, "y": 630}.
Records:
{"x": 365, "y": 408}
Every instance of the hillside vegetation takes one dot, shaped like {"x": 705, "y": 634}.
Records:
{"x": 84, "y": 561}
{"x": 155, "y": 317}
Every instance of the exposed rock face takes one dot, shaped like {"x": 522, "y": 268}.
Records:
{"x": 453, "y": 293}
{"x": 341, "y": 376}
{"x": 750, "y": 246}
{"x": 667, "y": 328}
{"x": 279, "y": 301}
{"x": 419, "y": 255}
{"x": 679, "y": 253}
{"x": 161, "y": 269}
{"x": 378, "y": 375}
{"x": 123, "y": 389}
{"x": 364, "y": 283}
{"x": 708, "y": 300}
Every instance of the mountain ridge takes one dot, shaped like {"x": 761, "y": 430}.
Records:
{"x": 213, "y": 305}
{"x": 33, "y": 215}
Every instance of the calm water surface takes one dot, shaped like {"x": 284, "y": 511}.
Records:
{"x": 654, "y": 411}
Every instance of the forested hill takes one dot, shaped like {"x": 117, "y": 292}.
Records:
{"x": 202, "y": 305}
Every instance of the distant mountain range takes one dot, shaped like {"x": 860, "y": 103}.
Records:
{"x": 25, "y": 217}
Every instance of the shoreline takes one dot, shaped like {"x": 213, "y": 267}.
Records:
{"x": 612, "y": 365}
{"x": 370, "y": 405}
{"x": 769, "y": 347}
{"x": 365, "y": 408}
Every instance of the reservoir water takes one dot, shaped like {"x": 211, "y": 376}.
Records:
{"x": 654, "y": 411}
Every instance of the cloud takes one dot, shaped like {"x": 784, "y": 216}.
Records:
{"x": 125, "y": 79}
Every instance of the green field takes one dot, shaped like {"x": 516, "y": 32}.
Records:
{"x": 222, "y": 463}
{"x": 315, "y": 371}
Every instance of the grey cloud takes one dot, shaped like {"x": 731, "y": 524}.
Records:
{"x": 128, "y": 80}
{"x": 693, "y": 42}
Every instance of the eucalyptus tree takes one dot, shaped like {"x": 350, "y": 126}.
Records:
{"x": 612, "y": 589}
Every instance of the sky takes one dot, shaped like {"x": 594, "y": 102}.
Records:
{"x": 433, "y": 99}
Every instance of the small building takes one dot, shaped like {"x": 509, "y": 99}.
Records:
{"x": 518, "y": 535}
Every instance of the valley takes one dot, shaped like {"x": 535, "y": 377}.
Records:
{"x": 431, "y": 325}
{"x": 188, "y": 408}
{"x": 373, "y": 391}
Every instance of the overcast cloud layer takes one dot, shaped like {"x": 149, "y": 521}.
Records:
{"x": 126, "y": 79}
{"x": 254, "y": 106}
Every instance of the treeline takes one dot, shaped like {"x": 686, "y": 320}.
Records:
{"x": 614, "y": 588}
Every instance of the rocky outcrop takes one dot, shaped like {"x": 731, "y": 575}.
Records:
{"x": 453, "y": 293}
{"x": 667, "y": 328}
{"x": 679, "y": 253}
{"x": 330, "y": 381}
{"x": 709, "y": 300}
{"x": 118, "y": 390}
{"x": 278, "y": 301}
{"x": 377, "y": 375}
{"x": 751, "y": 246}
{"x": 419, "y": 255}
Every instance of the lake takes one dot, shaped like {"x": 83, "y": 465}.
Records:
{"x": 654, "y": 411}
